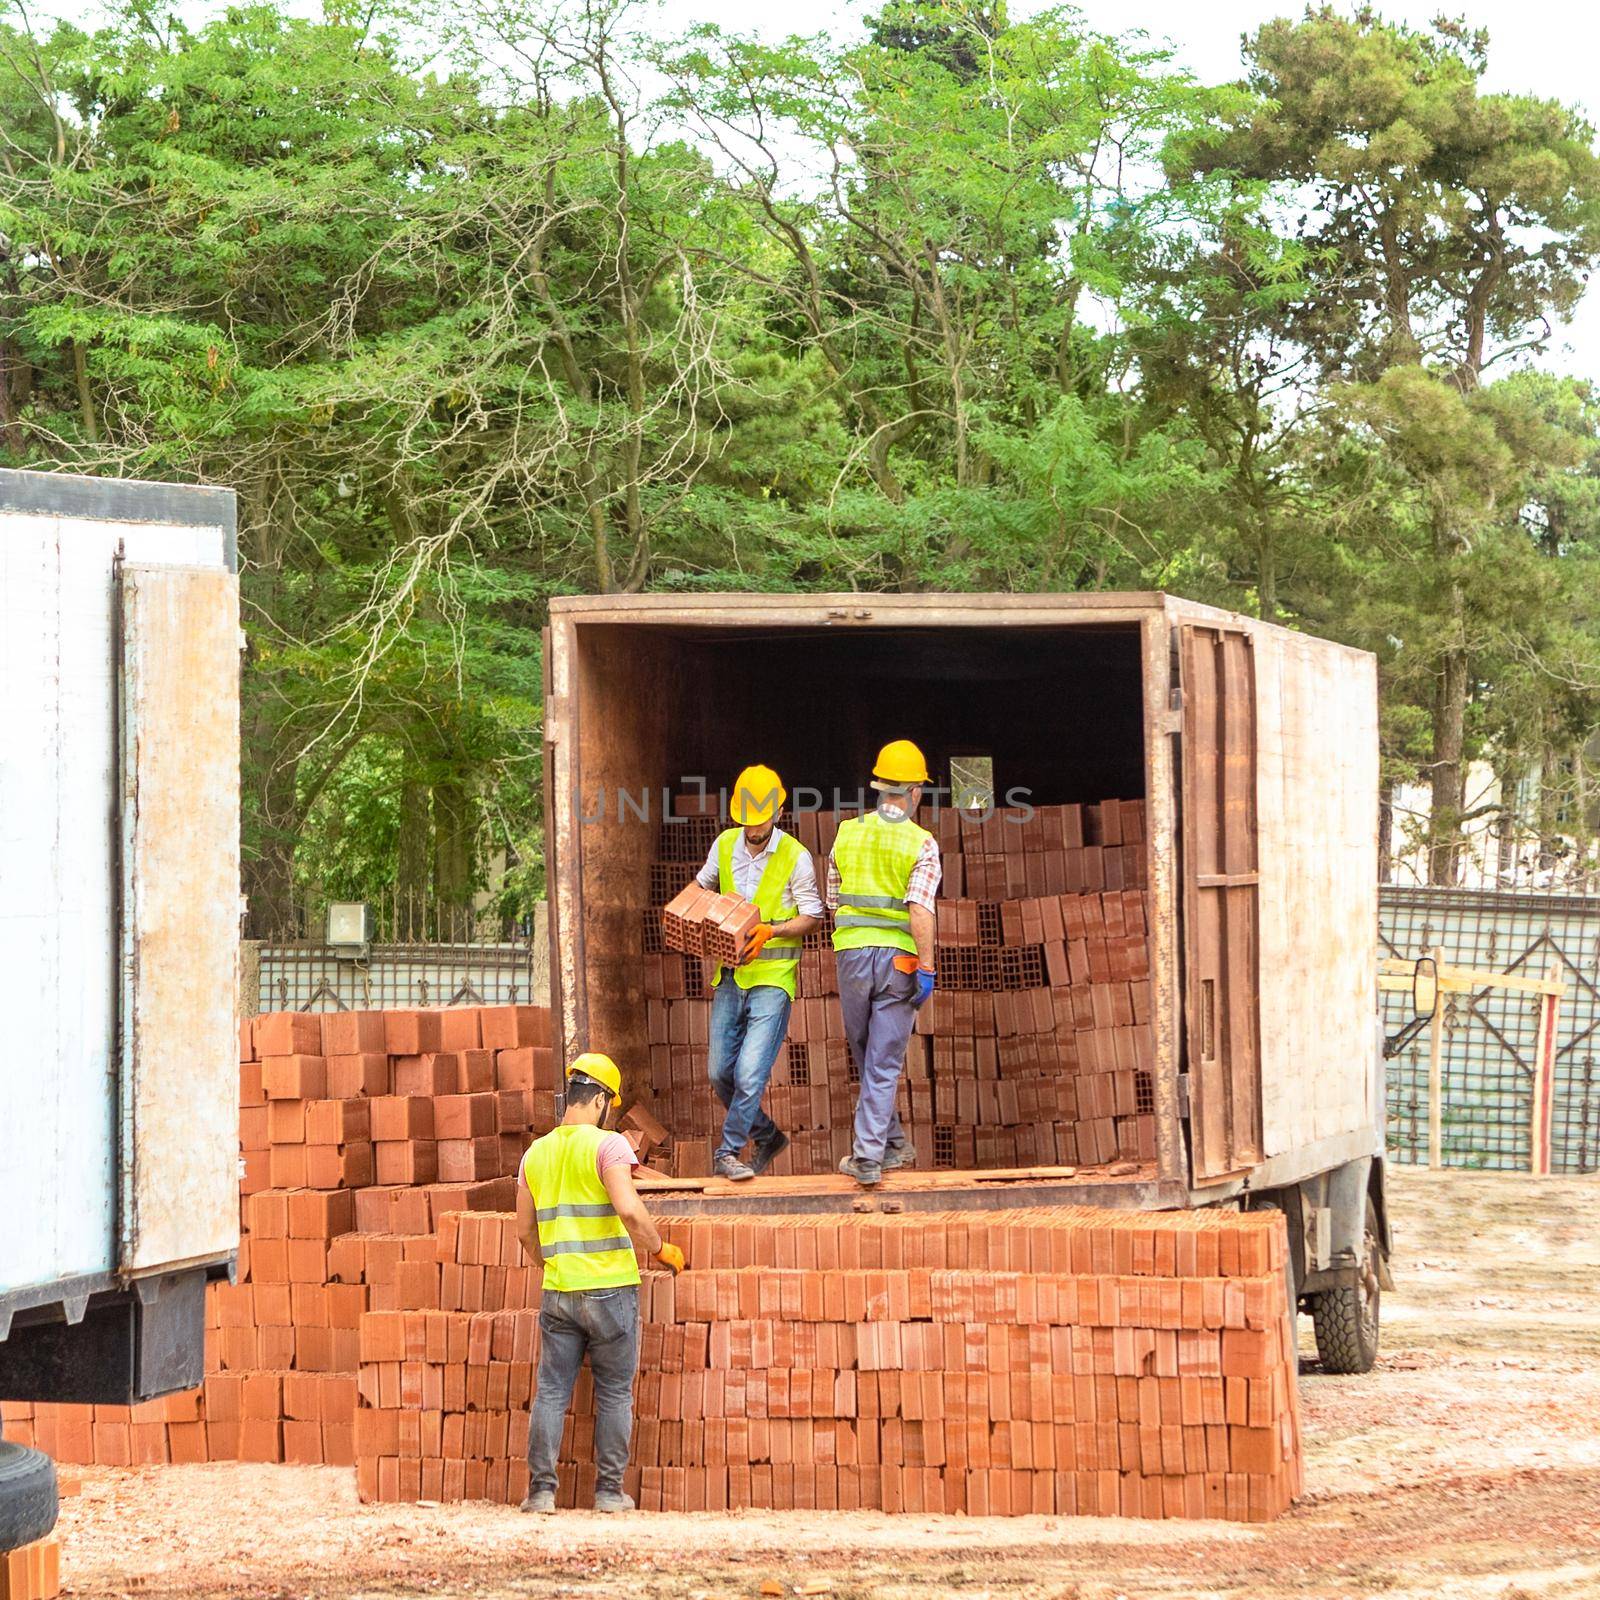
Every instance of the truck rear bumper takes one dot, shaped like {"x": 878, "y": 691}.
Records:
{"x": 94, "y": 1341}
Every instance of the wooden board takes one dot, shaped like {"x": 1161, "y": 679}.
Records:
{"x": 837, "y": 1183}
{"x": 1221, "y": 900}
{"x": 1317, "y": 709}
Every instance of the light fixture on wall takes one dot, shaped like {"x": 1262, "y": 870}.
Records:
{"x": 349, "y": 929}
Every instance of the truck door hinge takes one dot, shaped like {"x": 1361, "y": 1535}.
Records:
{"x": 1183, "y": 1094}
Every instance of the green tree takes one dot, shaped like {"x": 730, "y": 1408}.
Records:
{"x": 1447, "y": 230}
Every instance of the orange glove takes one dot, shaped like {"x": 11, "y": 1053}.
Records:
{"x": 758, "y": 937}
{"x": 671, "y": 1257}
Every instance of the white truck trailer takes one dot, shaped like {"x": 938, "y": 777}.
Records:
{"x": 119, "y": 915}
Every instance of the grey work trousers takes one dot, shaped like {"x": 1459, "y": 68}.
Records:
{"x": 878, "y": 1019}
{"x": 604, "y": 1325}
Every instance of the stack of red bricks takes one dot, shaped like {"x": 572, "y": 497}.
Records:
{"x": 358, "y": 1132}
{"x": 1036, "y": 1048}
{"x": 701, "y": 922}
{"x": 1062, "y": 1361}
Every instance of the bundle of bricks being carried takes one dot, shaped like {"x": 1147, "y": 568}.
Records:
{"x": 1035, "y": 1049}
{"x": 358, "y": 1132}
{"x": 701, "y": 922}
{"x": 1061, "y": 1361}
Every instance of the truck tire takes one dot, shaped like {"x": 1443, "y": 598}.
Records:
{"x": 1346, "y": 1318}
{"x": 27, "y": 1495}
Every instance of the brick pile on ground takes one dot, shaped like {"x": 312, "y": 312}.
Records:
{"x": 359, "y": 1131}
{"x": 1066, "y": 1361}
{"x": 1036, "y": 1047}
{"x": 31, "y": 1571}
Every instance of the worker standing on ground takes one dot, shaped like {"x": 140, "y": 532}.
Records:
{"x": 883, "y": 881}
{"x": 750, "y": 1015}
{"x": 580, "y": 1218}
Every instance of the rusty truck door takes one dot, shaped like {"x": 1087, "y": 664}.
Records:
{"x": 179, "y": 727}
{"x": 1221, "y": 900}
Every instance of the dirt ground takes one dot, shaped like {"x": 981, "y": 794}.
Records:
{"x": 1467, "y": 1466}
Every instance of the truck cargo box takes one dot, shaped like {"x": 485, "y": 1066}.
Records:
{"x": 119, "y": 915}
{"x": 1247, "y": 752}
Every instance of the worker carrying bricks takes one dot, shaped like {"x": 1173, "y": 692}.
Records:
{"x": 580, "y": 1218}
{"x": 750, "y": 1015}
{"x": 883, "y": 879}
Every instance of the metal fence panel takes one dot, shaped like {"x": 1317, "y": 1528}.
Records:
{"x": 1489, "y": 1035}
{"x": 313, "y": 977}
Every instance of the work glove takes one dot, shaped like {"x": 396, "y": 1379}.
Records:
{"x": 924, "y": 987}
{"x": 758, "y": 937}
{"x": 671, "y": 1257}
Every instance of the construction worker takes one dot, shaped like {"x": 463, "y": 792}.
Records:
{"x": 750, "y": 1015}
{"x": 883, "y": 879}
{"x": 580, "y": 1218}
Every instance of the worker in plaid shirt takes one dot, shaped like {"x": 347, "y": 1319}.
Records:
{"x": 883, "y": 880}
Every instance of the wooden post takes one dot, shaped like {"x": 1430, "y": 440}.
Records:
{"x": 1436, "y": 1076}
{"x": 1544, "y": 1075}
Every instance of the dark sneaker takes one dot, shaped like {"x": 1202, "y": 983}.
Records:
{"x": 540, "y": 1500}
{"x": 613, "y": 1500}
{"x": 867, "y": 1173}
{"x": 898, "y": 1155}
{"x": 768, "y": 1150}
{"x": 732, "y": 1167}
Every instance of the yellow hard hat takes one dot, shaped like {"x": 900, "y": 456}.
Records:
{"x": 901, "y": 763}
{"x": 591, "y": 1064}
{"x": 758, "y": 796}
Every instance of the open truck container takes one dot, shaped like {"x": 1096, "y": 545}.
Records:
{"x": 119, "y": 916}
{"x": 1253, "y": 748}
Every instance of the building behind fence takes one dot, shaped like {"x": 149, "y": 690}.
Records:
{"x": 1490, "y": 1034}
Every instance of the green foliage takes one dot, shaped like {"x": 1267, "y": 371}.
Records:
{"x": 478, "y": 307}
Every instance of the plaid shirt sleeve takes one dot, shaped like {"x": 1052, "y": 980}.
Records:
{"x": 922, "y": 888}
{"x": 832, "y": 895}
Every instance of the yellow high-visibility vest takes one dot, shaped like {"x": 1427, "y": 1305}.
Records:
{"x": 875, "y": 859}
{"x": 581, "y": 1238}
{"x": 779, "y": 959}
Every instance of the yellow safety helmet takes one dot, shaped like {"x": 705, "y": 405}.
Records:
{"x": 900, "y": 764}
{"x": 602, "y": 1069}
{"x": 758, "y": 796}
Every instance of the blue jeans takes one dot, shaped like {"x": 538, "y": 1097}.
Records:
{"x": 748, "y": 1027}
{"x": 876, "y": 999}
{"x": 604, "y": 1325}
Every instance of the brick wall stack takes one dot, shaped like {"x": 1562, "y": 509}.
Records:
{"x": 358, "y": 1132}
{"x": 1036, "y": 1047}
{"x": 1058, "y": 1361}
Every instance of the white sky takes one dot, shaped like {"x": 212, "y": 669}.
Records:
{"x": 1545, "y": 47}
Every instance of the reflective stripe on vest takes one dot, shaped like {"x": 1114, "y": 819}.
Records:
{"x": 779, "y": 959}
{"x": 875, "y": 859}
{"x": 581, "y": 1238}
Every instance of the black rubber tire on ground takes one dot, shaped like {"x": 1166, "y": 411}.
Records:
{"x": 27, "y": 1495}
{"x": 1346, "y": 1319}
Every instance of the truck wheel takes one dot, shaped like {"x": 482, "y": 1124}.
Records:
{"x": 1346, "y": 1319}
{"x": 27, "y": 1495}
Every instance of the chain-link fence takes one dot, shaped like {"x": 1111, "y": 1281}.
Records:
{"x": 1490, "y": 1033}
